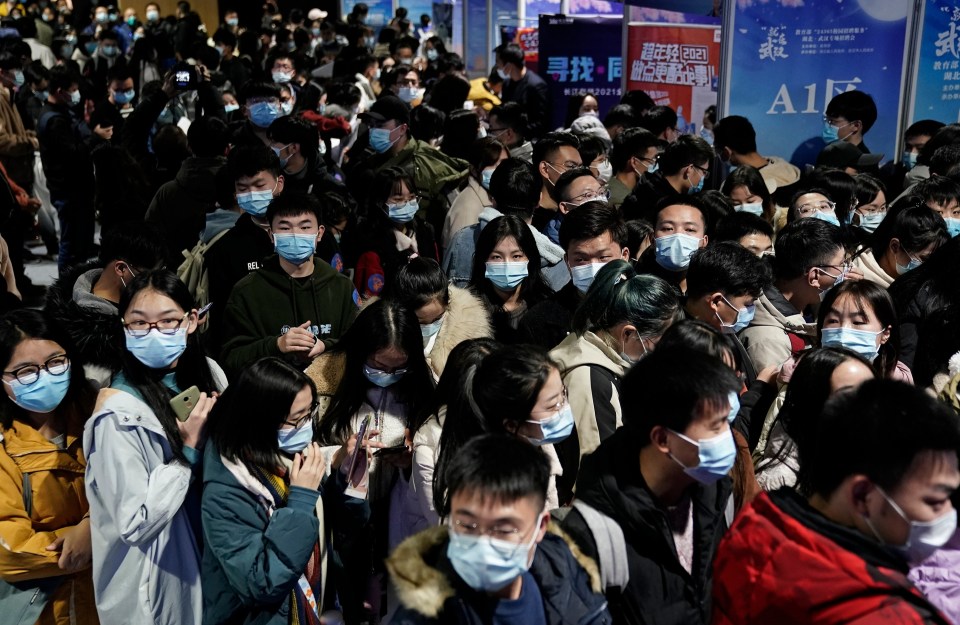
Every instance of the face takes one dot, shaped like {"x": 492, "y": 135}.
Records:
{"x": 388, "y": 359}
{"x": 709, "y": 423}
{"x": 601, "y": 249}
{"x": 152, "y": 306}
{"x": 741, "y": 195}
{"x": 404, "y": 56}
{"x": 121, "y": 85}
{"x": 390, "y": 124}
{"x": 845, "y": 128}
{"x": 401, "y": 194}
{"x": 590, "y": 105}
{"x": 287, "y": 97}
{"x": 847, "y": 312}
{"x": 681, "y": 219}
{"x": 507, "y": 251}
{"x": 694, "y": 174}
{"x": 229, "y": 98}
{"x": 263, "y": 181}
{"x": 582, "y": 189}
{"x": 473, "y": 513}
{"x": 849, "y": 375}
{"x": 301, "y": 410}
{"x": 809, "y": 204}
{"x": 824, "y": 276}
{"x": 305, "y": 223}
{"x": 642, "y": 164}
{"x": 562, "y": 160}
{"x": 283, "y": 65}
{"x": 759, "y": 244}
{"x": 915, "y": 144}
{"x": 876, "y": 206}
{"x": 903, "y": 256}
{"x": 500, "y": 132}
{"x": 430, "y": 312}
{"x": 34, "y": 352}
{"x": 550, "y": 399}
{"x": 949, "y": 209}
{"x": 728, "y": 307}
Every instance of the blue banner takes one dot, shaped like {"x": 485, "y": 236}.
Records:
{"x": 478, "y": 51}
{"x": 415, "y": 9}
{"x": 937, "y": 81}
{"x": 580, "y": 55}
{"x": 379, "y": 14}
{"x": 789, "y": 59}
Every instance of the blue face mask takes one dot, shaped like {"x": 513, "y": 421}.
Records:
{"x": 229, "y": 108}
{"x": 255, "y": 202}
{"x": 909, "y": 160}
{"x": 41, "y": 95}
{"x": 953, "y": 225}
{"x": 485, "y": 177}
{"x": 830, "y": 218}
{"x": 277, "y": 151}
{"x": 673, "y": 251}
{"x": 556, "y": 428}
{"x": 382, "y": 378}
{"x": 870, "y": 222}
{"x": 734, "y": 400}
{"x": 754, "y": 208}
{"x": 431, "y": 329}
{"x": 295, "y": 440}
{"x": 262, "y": 114}
{"x": 653, "y": 169}
{"x": 744, "y": 317}
{"x": 157, "y": 350}
{"x": 295, "y": 248}
{"x": 716, "y": 456}
{"x": 506, "y": 276}
{"x": 912, "y": 264}
{"x": 864, "y": 342}
{"x": 153, "y": 16}
{"x": 44, "y": 395}
{"x": 75, "y": 97}
{"x": 90, "y": 47}
{"x": 583, "y": 275}
{"x": 109, "y": 50}
{"x": 488, "y": 564}
{"x": 18, "y": 78}
{"x": 830, "y": 133}
{"x": 403, "y": 213}
{"x": 233, "y": 21}
{"x": 699, "y": 186}
{"x": 432, "y": 54}
{"x": 123, "y": 97}
{"x": 380, "y": 139}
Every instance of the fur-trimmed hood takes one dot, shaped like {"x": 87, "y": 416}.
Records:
{"x": 466, "y": 318}
{"x": 425, "y": 580}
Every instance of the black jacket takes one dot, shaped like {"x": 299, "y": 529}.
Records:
{"x": 65, "y": 155}
{"x": 430, "y": 591}
{"x": 642, "y": 202}
{"x": 532, "y": 93}
{"x": 660, "y": 590}
{"x": 546, "y": 324}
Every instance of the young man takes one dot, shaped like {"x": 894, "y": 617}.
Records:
{"x": 849, "y": 116}
{"x": 635, "y": 153}
{"x": 591, "y": 236}
{"x": 84, "y": 300}
{"x": 942, "y": 195}
{"x": 573, "y": 188}
{"x": 554, "y": 154}
{"x": 752, "y": 232}
{"x": 683, "y": 168}
{"x": 119, "y": 103}
{"x": 508, "y": 126}
{"x": 260, "y": 103}
{"x": 620, "y": 118}
{"x": 660, "y": 121}
{"x": 880, "y": 482}
{"x": 231, "y": 67}
{"x": 810, "y": 259}
{"x": 525, "y": 87}
{"x": 662, "y": 478}
{"x": 496, "y": 560}
{"x": 296, "y": 144}
{"x": 735, "y": 141}
{"x": 297, "y": 306}
{"x": 680, "y": 229}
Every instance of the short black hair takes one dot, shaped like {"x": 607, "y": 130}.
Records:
{"x": 426, "y": 122}
{"x": 621, "y": 115}
{"x": 735, "y": 132}
{"x": 739, "y": 225}
{"x": 515, "y": 186}
{"x": 208, "y": 137}
{"x": 417, "y": 283}
{"x": 912, "y": 223}
{"x": 854, "y": 106}
{"x": 924, "y": 127}
{"x": 26, "y": 27}
{"x": 226, "y": 37}
{"x": 945, "y": 161}
{"x": 551, "y": 142}
{"x": 292, "y": 129}
{"x": 695, "y": 380}
{"x": 478, "y": 468}
{"x": 658, "y": 119}
{"x": 638, "y": 99}
{"x": 878, "y": 430}
{"x": 62, "y": 77}
{"x": 729, "y": 268}
{"x": 629, "y": 143}
{"x": 108, "y": 34}
{"x": 510, "y": 53}
{"x": 250, "y": 159}
{"x": 139, "y": 243}
{"x": 293, "y": 204}
{"x": 686, "y": 150}
{"x": 938, "y": 189}
{"x": 590, "y": 221}
{"x": 254, "y": 89}
{"x": 558, "y": 190}
{"x": 511, "y": 115}
{"x": 803, "y": 244}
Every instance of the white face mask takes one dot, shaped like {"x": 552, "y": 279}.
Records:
{"x": 605, "y": 171}
{"x": 925, "y": 537}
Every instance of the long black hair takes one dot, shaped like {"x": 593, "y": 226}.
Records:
{"x": 867, "y": 294}
{"x": 244, "y": 422}
{"x": 22, "y": 325}
{"x": 533, "y": 286}
{"x": 192, "y": 366}
{"x": 380, "y": 325}
{"x": 376, "y": 227}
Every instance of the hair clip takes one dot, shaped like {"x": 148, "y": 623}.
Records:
{"x": 621, "y": 278}
{"x": 412, "y": 256}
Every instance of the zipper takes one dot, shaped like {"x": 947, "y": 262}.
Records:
{"x": 590, "y": 617}
{"x": 36, "y": 593}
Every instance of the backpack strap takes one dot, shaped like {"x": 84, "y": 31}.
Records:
{"x": 611, "y": 546}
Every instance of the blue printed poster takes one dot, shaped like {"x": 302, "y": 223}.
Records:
{"x": 937, "y": 81}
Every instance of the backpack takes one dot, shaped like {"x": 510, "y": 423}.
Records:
{"x": 193, "y": 273}
{"x": 611, "y": 545}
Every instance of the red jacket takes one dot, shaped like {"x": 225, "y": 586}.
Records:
{"x": 783, "y": 562}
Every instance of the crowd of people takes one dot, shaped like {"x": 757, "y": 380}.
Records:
{"x": 342, "y": 336}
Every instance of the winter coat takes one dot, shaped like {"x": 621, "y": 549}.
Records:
{"x": 783, "y": 562}
{"x": 938, "y": 578}
{"x": 660, "y": 589}
{"x": 549, "y": 322}
{"x": 778, "y": 173}
{"x": 466, "y": 318}
{"x": 465, "y": 210}
{"x": 267, "y": 303}
{"x": 426, "y": 451}
{"x": 91, "y": 321}
{"x": 767, "y": 338}
{"x": 58, "y": 503}
{"x": 431, "y": 592}
{"x": 871, "y": 269}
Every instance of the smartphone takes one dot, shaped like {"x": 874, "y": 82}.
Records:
{"x": 204, "y": 310}
{"x": 387, "y": 451}
{"x": 185, "y": 76}
{"x": 184, "y": 403}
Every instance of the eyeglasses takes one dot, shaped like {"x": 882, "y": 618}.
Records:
{"x": 872, "y": 209}
{"x": 603, "y": 193}
{"x": 649, "y": 162}
{"x": 28, "y": 374}
{"x": 509, "y": 537}
{"x": 301, "y": 421}
{"x": 844, "y": 268}
{"x": 704, "y": 172}
{"x": 564, "y": 167}
{"x": 808, "y": 210}
{"x": 141, "y": 328}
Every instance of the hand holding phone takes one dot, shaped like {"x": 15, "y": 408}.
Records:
{"x": 184, "y": 403}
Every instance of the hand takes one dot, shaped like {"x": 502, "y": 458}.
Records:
{"x": 402, "y": 460}
{"x": 298, "y": 339}
{"x": 194, "y": 428}
{"x": 347, "y": 449}
{"x": 769, "y": 374}
{"x": 104, "y": 133}
{"x": 308, "y": 471}
{"x": 170, "y": 85}
{"x": 74, "y": 547}
{"x": 317, "y": 350}
{"x": 203, "y": 74}
{"x": 854, "y": 274}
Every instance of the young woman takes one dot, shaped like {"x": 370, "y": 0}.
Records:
{"x": 392, "y": 232}
{"x": 44, "y": 515}
{"x": 908, "y": 235}
{"x": 748, "y": 192}
{"x": 485, "y": 155}
{"x": 871, "y": 203}
{"x": 264, "y": 558}
{"x": 448, "y": 315}
{"x": 593, "y": 154}
{"x": 860, "y": 315}
{"x": 621, "y": 318}
{"x": 143, "y": 460}
{"x": 506, "y": 274}
{"x": 580, "y": 105}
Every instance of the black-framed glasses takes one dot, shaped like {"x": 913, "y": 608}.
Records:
{"x": 301, "y": 421}
{"x": 140, "y": 328}
{"x": 704, "y": 172}
{"x": 28, "y": 374}
{"x": 603, "y": 193}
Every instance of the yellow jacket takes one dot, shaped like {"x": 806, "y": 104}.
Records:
{"x": 58, "y": 502}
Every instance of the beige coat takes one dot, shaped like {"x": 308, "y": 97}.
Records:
{"x": 465, "y": 210}
{"x": 466, "y": 318}
{"x": 867, "y": 264}
{"x": 766, "y": 339}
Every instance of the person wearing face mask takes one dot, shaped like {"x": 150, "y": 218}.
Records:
{"x": 735, "y": 141}
{"x": 676, "y": 507}
{"x": 260, "y": 103}
{"x": 572, "y": 190}
{"x": 635, "y": 153}
{"x": 27, "y": 27}
{"x": 297, "y": 306}
{"x": 119, "y": 103}
{"x": 619, "y": 321}
{"x": 849, "y": 116}
{"x": 45, "y": 404}
{"x": 107, "y": 54}
{"x": 265, "y": 491}
{"x": 484, "y": 156}
{"x": 377, "y": 373}
{"x": 554, "y": 155}
{"x": 679, "y": 230}
{"x": 236, "y": 71}
{"x": 515, "y": 570}
{"x": 898, "y": 175}
{"x": 682, "y": 169}
{"x": 143, "y": 461}
{"x": 876, "y": 500}
{"x": 748, "y": 192}
{"x": 525, "y": 87}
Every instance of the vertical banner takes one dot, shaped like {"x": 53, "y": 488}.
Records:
{"x": 788, "y": 59}
{"x": 677, "y": 65}
{"x": 475, "y": 30}
{"x": 936, "y": 91}
{"x": 580, "y": 55}
{"x": 528, "y": 40}
{"x": 502, "y": 13}
{"x": 443, "y": 22}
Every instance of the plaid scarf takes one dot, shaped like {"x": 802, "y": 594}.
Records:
{"x": 301, "y": 612}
